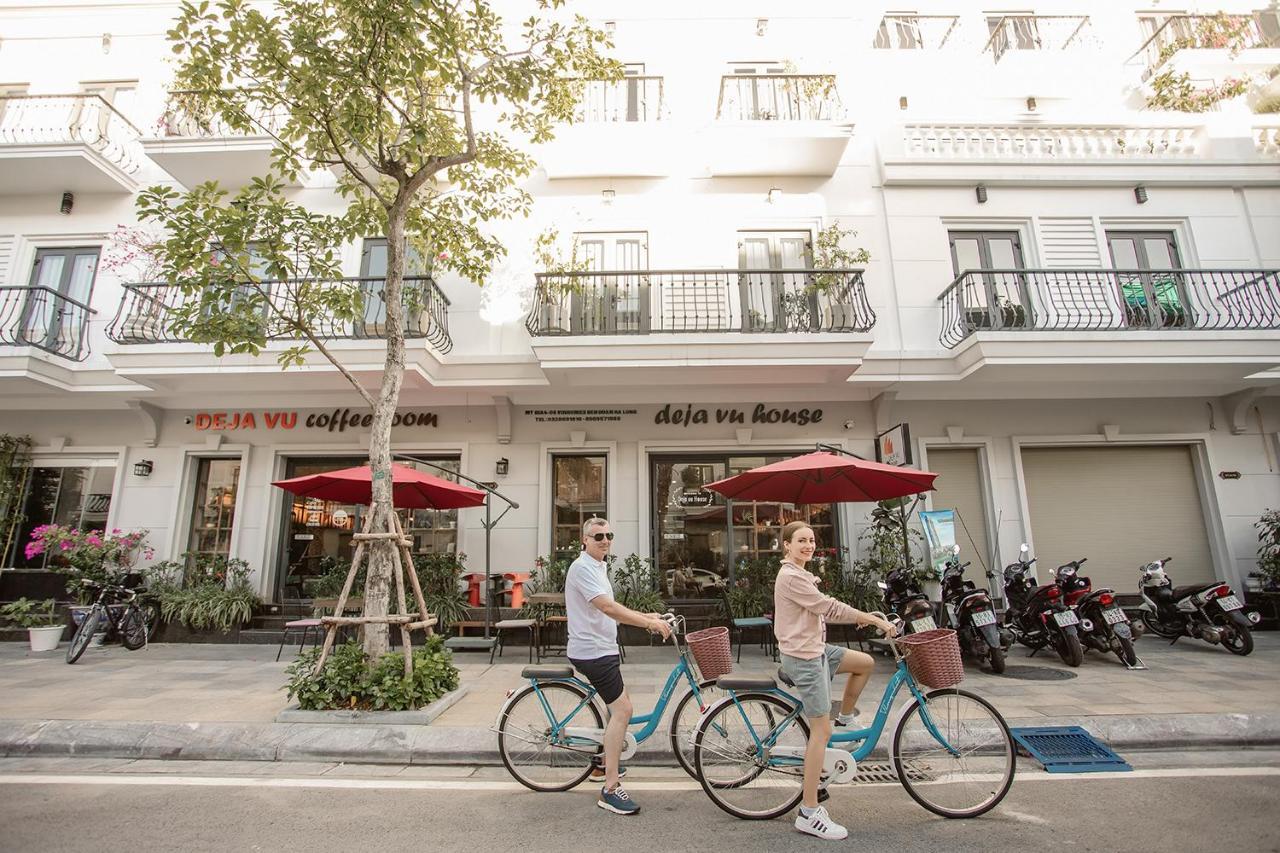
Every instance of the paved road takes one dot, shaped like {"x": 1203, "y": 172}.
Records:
{"x": 1225, "y": 801}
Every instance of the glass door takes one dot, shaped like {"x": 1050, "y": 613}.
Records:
{"x": 1152, "y": 291}
{"x": 617, "y": 303}
{"x": 690, "y": 536}
{"x": 996, "y": 296}
{"x": 773, "y": 300}
{"x": 49, "y": 320}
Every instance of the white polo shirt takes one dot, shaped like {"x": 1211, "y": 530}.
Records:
{"x": 592, "y": 634}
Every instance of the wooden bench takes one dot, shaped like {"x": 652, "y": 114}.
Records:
{"x": 462, "y": 625}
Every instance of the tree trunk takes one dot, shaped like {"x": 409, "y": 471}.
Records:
{"x": 378, "y": 584}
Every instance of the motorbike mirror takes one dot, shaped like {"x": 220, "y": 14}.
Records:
{"x": 882, "y": 584}
{"x": 1025, "y": 549}
{"x": 955, "y": 549}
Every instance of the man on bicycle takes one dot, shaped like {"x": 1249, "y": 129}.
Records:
{"x": 593, "y": 618}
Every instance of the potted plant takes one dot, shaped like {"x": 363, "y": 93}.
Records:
{"x": 40, "y": 618}
{"x": 87, "y": 555}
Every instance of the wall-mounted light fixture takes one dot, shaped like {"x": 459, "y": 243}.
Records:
{"x": 1031, "y": 104}
{"x": 980, "y": 192}
{"x": 902, "y": 102}
{"x": 606, "y": 196}
{"x": 775, "y": 193}
{"x": 502, "y": 467}
{"x": 1140, "y": 194}
{"x": 610, "y": 27}
{"x": 142, "y": 468}
{"x": 68, "y": 200}
{"x": 762, "y": 24}
{"x": 106, "y": 42}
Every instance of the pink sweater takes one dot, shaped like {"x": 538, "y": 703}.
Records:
{"x": 800, "y": 612}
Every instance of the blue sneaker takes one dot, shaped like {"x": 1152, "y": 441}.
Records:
{"x": 617, "y": 801}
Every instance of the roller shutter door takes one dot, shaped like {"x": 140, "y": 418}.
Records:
{"x": 1119, "y": 506}
{"x": 959, "y": 486}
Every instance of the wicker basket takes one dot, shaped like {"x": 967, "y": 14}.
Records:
{"x": 711, "y": 651}
{"x": 933, "y": 657}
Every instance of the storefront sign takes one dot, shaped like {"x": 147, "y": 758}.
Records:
{"x": 699, "y": 498}
{"x": 577, "y": 415}
{"x": 336, "y": 421}
{"x": 761, "y": 414}
{"x": 893, "y": 446}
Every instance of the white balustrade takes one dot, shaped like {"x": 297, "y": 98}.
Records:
{"x": 1048, "y": 142}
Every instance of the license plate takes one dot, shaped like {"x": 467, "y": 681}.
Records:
{"x": 1229, "y": 602}
{"x": 1065, "y": 618}
{"x": 984, "y": 617}
{"x": 925, "y": 623}
{"x": 1114, "y": 615}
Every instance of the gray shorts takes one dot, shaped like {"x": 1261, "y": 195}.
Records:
{"x": 813, "y": 679}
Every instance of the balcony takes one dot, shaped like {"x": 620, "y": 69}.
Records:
{"x": 777, "y": 124}
{"x": 703, "y": 321}
{"x": 1211, "y": 46}
{"x": 44, "y": 319}
{"x": 195, "y": 148}
{"x": 916, "y": 32}
{"x": 1013, "y": 35}
{"x": 619, "y": 130}
{"x": 75, "y": 142}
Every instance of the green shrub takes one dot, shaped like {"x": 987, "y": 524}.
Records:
{"x": 635, "y": 584}
{"x": 349, "y": 681}
{"x": 1269, "y": 548}
{"x": 204, "y": 591}
{"x": 439, "y": 576}
{"x": 751, "y": 594}
{"x": 333, "y": 574}
{"x": 28, "y": 613}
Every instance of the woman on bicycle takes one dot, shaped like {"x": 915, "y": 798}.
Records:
{"x": 800, "y": 614}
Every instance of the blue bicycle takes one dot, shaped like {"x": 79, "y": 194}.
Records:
{"x": 951, "y": 750}
{"x": 549, "y": 731}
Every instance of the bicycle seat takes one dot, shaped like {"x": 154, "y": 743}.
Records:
{"x": 745, "y": 682}
{"x": 547, "y": 672}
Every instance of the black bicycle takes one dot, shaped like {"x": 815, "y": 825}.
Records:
{"x": 117, "y": 609}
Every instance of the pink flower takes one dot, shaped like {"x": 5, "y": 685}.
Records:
{"x": 65, "y": 546}
{"x": 443, "y": 256}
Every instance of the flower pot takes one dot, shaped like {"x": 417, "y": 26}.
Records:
{"x": 98, "y": 638}
{"x": 45, "y": 639}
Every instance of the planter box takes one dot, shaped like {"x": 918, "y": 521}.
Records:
{"x": 420, "y": 717}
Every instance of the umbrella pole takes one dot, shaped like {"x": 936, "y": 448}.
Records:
{"x": 488, "y": 587}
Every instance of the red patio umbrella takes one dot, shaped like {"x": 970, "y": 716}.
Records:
{"x": 823, "y": 477}
{"x": 410, "y": 488}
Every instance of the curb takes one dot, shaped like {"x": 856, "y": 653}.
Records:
{"x": 365, "y": 743}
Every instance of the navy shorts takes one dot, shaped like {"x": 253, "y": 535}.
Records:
{"x": 605, "y": 675}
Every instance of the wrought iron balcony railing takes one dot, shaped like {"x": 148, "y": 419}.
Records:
{"x": 78, "y": 118}
{"x": 145, "y": 314}
{"x": 1206, "y": 32}
{"x": 628, "y": 99}
{"x": 778, "y": 97}
{"x": 180, "y": 120}
{"x": 915, "y": 32}
{"x": 1037, "y": 32}
{"x": 1104, "y": 300}
{"x": 1048, "y": 142}
{"x": 46, "y": 319}
{"x": 640, "y": 302}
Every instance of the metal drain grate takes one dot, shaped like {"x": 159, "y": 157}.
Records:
{"x": 879, "y": 774}
{"x": 1068, "y": 749}
{"x": 1037, "y": 673}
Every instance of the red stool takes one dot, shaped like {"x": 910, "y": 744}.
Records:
{"x": 474, "y": 582}
{"x": 517, "y": 587}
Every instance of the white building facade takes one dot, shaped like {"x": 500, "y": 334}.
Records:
{"x": 1072, "y": 301}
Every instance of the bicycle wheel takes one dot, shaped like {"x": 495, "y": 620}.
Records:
{"x": 973, "y": 775}
{"x": 84, "y": 633}
{"x": 133, "y": 629}
{"x": 740, "y": 777}
{"x": 524, "y": 737}
{"x": 684, "y": 721}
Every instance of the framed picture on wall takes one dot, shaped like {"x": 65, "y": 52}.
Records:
{"x": 893, "y": 446}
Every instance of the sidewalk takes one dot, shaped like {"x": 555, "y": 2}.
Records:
{"x": 221, "y": 701}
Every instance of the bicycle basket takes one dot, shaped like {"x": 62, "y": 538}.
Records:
{"x": 933, "y": 657}
{"x": 711, "y": 652}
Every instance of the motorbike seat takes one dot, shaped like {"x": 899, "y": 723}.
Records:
{"x": 1193, "y": 588}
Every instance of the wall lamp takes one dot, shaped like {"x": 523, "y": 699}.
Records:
{"x": 607, "y": 196}
{"x": 142, "y": 468}
{"x": 1031, "y": 104}
{"x": 502, "y": 467}
{"x": 762, "y": 24}
{"x": 1140, "y": 194}
{"x": 775, "y": 193}
{"x": 902, "y": 102}
{"x": 610, "y": 27}
{"x": 68, "y": 200}
{"x": 981, "y": 192}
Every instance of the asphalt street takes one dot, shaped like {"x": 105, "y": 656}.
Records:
{"x": 1223, "y": 800}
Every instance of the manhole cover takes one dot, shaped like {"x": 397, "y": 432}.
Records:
{"x": 1038, "y": 673}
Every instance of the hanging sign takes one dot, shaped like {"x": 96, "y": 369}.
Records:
{"x": 893, "y": 446}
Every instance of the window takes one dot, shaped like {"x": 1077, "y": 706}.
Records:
{"x": 71, "y": 494}
{"x": 778, "y": 298}
{"x": 214, "y": 506}
{"x": 1153, "y": 294}
{"x": 49, "y": 320}
{"x": 995, "y": 296}
{"x": 579, "y": 488}
{"x": 618, "y": 302}
{"x": 373, "y": 269}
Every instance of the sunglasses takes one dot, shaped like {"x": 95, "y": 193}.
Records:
{"x": 600, "y": 537}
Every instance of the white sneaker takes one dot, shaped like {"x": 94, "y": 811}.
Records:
{"x": 847, "y": 719}
{"x": 819, "y": 823}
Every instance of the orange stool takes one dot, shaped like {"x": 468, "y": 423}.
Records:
{"x": 474, "y": 582}
{"x": 517, "y": 587}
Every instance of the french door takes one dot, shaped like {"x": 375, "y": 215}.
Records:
{"x": 995, "y": 297}
{"x": 617, "y": 303}
{"x": 49, "y": 320}
{"x": 1152, "y": 292}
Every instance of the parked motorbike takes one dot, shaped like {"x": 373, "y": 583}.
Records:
{"x": 1103, "y": 623}
{"x": 904, "y": 598}
{"x": 1037, "y": 616}
{"x": 969, "y": 611}
{"x": 1210, "y": 611}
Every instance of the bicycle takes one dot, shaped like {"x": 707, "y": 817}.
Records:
{"x": 749, "y": 748}
{"x": 125, "y": 620}
{"x": 543, "y": 748}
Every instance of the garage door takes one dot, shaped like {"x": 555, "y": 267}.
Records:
{"x": 1119, "y": 506}
{"x": 959, "y": 487}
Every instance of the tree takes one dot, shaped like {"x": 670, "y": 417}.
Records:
{"x": 411, "y": 105}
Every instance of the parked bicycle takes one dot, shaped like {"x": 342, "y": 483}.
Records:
{"x": 951, "y": 749}
{"x": 549, "y": 731}
{"x": 117, "y": 612}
